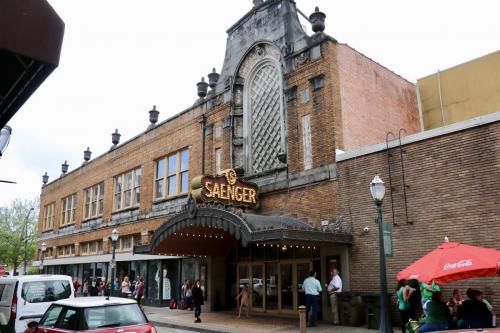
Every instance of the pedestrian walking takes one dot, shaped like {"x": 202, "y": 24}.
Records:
{"x": 85, "y": 288}
{"x": 139, "y": 290}
{"x": 76, "y": 285}
{"x": 334, "y": 287}
{"x": 125, "y": 287}
{"x": 244, "y": 302}
{"x": 198, "y": 300}
{"x": 312, "y": 288}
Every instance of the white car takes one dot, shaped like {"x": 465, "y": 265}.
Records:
{"x": 24, "y": 299}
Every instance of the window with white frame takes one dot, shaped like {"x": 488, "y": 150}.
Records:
{"x": 94, "y": 201}
{"x": 128, "y": 189}
{"x": 172, "y": 174}
{"x": 89, "y": 248}
{"x": 49, "y": 253}
{"x": 49, "y": 216}
{"x": 68, "y": 210}
{"x": 66, "y": 250}
{"x": 127, "y": 242}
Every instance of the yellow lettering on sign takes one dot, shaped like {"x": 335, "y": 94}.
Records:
{"x": 245, "y": 195}
{"x": 252, "y": 196}
{"x": 223, "y": 191}
{"x": 237, "y": 193}
{"x": 216, "y": 191}
{"x": 208, "y": 186}
{"x": 230, "y": 192}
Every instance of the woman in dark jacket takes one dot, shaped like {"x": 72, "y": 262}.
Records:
{"x": 197, "y": 300}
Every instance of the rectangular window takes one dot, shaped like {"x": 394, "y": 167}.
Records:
{"x": 137, "y": 186}
{"x": 128, "y": 189}
{"x": 94, "y": 201}
{"x": 304, "y": 96}
{"x": 317, "y": 82}
{"x": 86, "y": 211}
{"x": 218, "y": 132}
{"x": 49, "y": 216}
{"x": 160, "y": 172}
{"x": 172, "y": 175}
{"x": 184, "y": 170}
{"x": 306, "y": 141}
{"x": 218, "y": 160}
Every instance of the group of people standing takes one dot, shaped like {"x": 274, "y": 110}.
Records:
{"x": 98, "y": 286}
{"x": 475, "y": 312}
{"x": 312, "y": 289}
{"x": 192, "y": 298}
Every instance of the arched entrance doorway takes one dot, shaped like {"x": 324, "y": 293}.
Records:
{"x": 227, "y": 249}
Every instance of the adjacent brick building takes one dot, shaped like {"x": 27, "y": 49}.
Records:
{"x": 281, "y": 106}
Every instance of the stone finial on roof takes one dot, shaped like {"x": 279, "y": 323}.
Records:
{"x": 257, "y": 3}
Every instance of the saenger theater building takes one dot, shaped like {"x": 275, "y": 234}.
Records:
{"x": 241, "y": 187}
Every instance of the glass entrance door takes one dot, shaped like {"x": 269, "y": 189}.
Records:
{"x": 252, "y": 275}
{"x": 274, "y": 285}
{"x": 292, "y": 276}
{"x": 286, "y": 287}
{"x": 258, "y": 287}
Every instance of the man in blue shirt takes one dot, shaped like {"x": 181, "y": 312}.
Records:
{"x": 312, "y": 288}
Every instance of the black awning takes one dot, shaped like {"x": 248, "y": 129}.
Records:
{"x": 31, "y": 35}
{"x": 247, "y": 228}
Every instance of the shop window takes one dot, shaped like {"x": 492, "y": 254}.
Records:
{"x": 94, "y": 201}
{"x": 68, "y": 210}
{"x": 49, "y": 216}
{"x": 128, "y": 189}
{"x": 172, "y": 174}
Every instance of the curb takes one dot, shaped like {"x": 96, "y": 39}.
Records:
{"x": 187, "y": 328}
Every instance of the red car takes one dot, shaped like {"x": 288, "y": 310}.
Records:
{"x": 99, "y": 314}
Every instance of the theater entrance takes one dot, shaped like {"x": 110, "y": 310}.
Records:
{"x": 274, "y": 286}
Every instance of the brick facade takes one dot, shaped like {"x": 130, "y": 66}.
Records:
{"x": 452, "y": 183}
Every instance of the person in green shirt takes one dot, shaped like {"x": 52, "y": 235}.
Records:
{"x": 404, "y": 291}
{"x": 438, "y": 315}
{"x": 427, "y": 290}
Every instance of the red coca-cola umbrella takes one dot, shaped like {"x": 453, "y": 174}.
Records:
{"x": 452, "y": 262}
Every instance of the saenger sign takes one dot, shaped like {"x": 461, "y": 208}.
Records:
{"x": 227, "y": 189}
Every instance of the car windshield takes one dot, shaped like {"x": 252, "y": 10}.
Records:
{"x": 46, "y": 291}
{"x": 113, "y": 316}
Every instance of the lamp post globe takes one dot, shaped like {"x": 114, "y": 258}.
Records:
{"x": 114, "y": 238}
{"x": 4, "y": 138}
{"x": 377, "y": 189}
{"x": 43, "y": 248}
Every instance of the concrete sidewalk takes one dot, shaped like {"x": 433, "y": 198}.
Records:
{"x": 226, "y": 322}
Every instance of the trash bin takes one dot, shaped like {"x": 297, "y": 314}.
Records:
{"x": 350, "y": 309}
{"x": 372, "y": 310}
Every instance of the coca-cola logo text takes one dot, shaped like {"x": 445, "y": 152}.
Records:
{"x": 460, "y": 264}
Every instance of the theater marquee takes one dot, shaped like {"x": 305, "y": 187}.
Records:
{"x": 227, "y": 189}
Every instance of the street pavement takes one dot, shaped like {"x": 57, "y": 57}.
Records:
{"x": 181, "y": 321}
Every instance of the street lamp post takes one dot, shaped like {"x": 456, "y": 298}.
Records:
{"x": 26, "y": 239}
{"x": 377, "y": 189}
{"x": 114, "y": 238}
{"x": 42, "y": 248}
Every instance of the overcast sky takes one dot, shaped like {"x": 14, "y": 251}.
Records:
{"x": 119, "y": 58}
